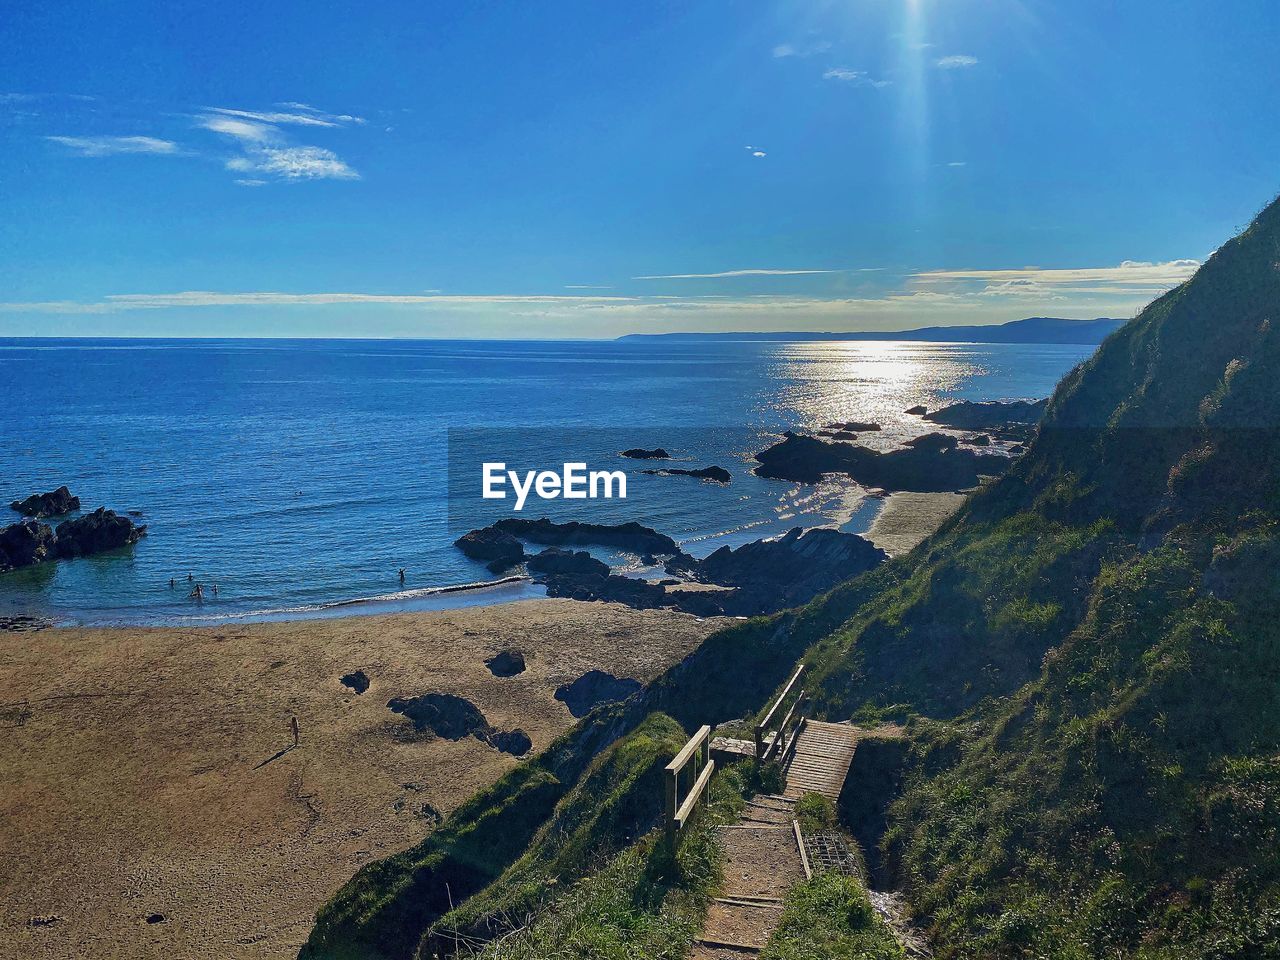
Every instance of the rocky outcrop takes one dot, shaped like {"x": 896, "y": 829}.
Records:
{"x": 508, "y": 663}
{"x": 639, "y": 453}
{"x": 930, "y": 466}
{"x": 450, "y": 717}
{"x": 852, "y": 426}
{"x": 29, "y": 541}
{"x": 638, "y": 594}
{"x": 989, "y": 415}
{"x": 577, "y": 563}
{"x": 632, "y": 537}
{"x": 357, "y": 680}
{"x": 718, "y": 474}
{"x": 919, "y": 410}
{"x": 594, "y": 688}
{"x": 773, "y": 574}
{"x": 495, "y": 548}
{"x": 52, "y": 504}
{"x": 25, "y": 543}
{"x": 95, "y": 532}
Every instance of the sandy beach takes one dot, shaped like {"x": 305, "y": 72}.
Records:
{"x": 908, "y": 519}
{"x": 152, "y": 806}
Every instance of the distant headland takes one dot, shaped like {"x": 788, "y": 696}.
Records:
{"x": 1030, "y": 330}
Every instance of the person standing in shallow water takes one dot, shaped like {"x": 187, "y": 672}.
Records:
{"x": 402, "y": 576}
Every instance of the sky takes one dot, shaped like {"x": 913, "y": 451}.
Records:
{"x": 588, "y": 169}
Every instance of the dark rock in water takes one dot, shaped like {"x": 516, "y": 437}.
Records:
{"x": 25, "y": 543}
{"x": 24, "y": 623}
{"x": 936, "y": 442}
{"x": 853, "y": 426}
{"x": 638, "y": 453}
{"x": 919, "y": 410}
{"x": 357, "y": 681}
{"x": 95, "y": 532}
{"x": 594, "y": 688}
{"x": 980, "y": 440}
{"x": 53, "y": 504}
{"x": 773, "y": 574}
{"x": 515, "y": 742}
{"x": 926, "y": 467}
{"x": 669, "y": 582}
{"x": 508, "y": 663}
{"x": 442, "y": 714}
{"x": 718, "y": 474}
{"x": 578, "y": 563}
{"x": 494, "y": 548}
{"x": 631, "y": 536}
{"x": 989, "y": 415}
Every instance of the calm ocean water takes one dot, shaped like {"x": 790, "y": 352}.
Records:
{"x": 299, "y": 474}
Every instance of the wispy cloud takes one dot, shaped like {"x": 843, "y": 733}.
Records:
{"x": 293, "y": 163}
{"x": 1130, "y": 273}
{"x": 266, "y": 151}
{"x": 299, "y": 114}
{"x": 755, "y": 151}
{"x": 262, "y": 148}
{"x": 110, "y": 146}
{"x": 801, "y": 48}
{"x": 586, "y": 286}
{"x": 956, "y": 61}
{"x": 859, "y": 78}
{"x": 728, "y": 274}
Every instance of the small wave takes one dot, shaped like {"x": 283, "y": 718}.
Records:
{"x": 424, "y": 592}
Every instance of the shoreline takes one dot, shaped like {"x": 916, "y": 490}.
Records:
{"x": 901, "y": 520}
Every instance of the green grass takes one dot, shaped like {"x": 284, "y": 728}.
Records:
{"x": 618, "y": 799}
{"x": 641, "y": 903}
{"x": 830, "y": 918}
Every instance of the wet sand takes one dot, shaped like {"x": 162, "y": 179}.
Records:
{"x": 152, "y": 805}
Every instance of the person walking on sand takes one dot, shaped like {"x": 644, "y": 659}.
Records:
{"x": 293, "y": 726}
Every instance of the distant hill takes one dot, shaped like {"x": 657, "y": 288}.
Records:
{"x": 1031, "y": 330}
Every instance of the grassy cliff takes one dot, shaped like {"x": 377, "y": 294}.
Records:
{"x": 1094, "y": 643}
{"x": 1088, "y": 659}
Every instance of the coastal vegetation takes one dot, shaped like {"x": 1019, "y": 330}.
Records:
{"x": 1085, "y": 660}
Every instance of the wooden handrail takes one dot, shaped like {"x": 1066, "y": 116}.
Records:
{"x": 763, "y": 726}
{"x": 678, "y": 811}
{"x": 680, "y": 759}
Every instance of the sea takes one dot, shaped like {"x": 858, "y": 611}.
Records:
{"x": 301, "y": 476}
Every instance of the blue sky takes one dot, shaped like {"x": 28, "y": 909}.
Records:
{"x": 590, "y": 169}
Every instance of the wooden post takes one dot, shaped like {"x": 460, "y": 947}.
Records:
{"x": 669, "y": 809}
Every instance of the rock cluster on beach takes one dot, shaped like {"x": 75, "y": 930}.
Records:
{"x": 756, "y": 578}
{"x": 594, "y": 688}
{"x": 769, "y": 575}
{"x": 30, "y": 541}
{"x": 451, "y": 717}
{"x": 56, "y": 503}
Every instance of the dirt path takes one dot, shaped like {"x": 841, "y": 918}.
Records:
{"x": 762, "y": 861}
